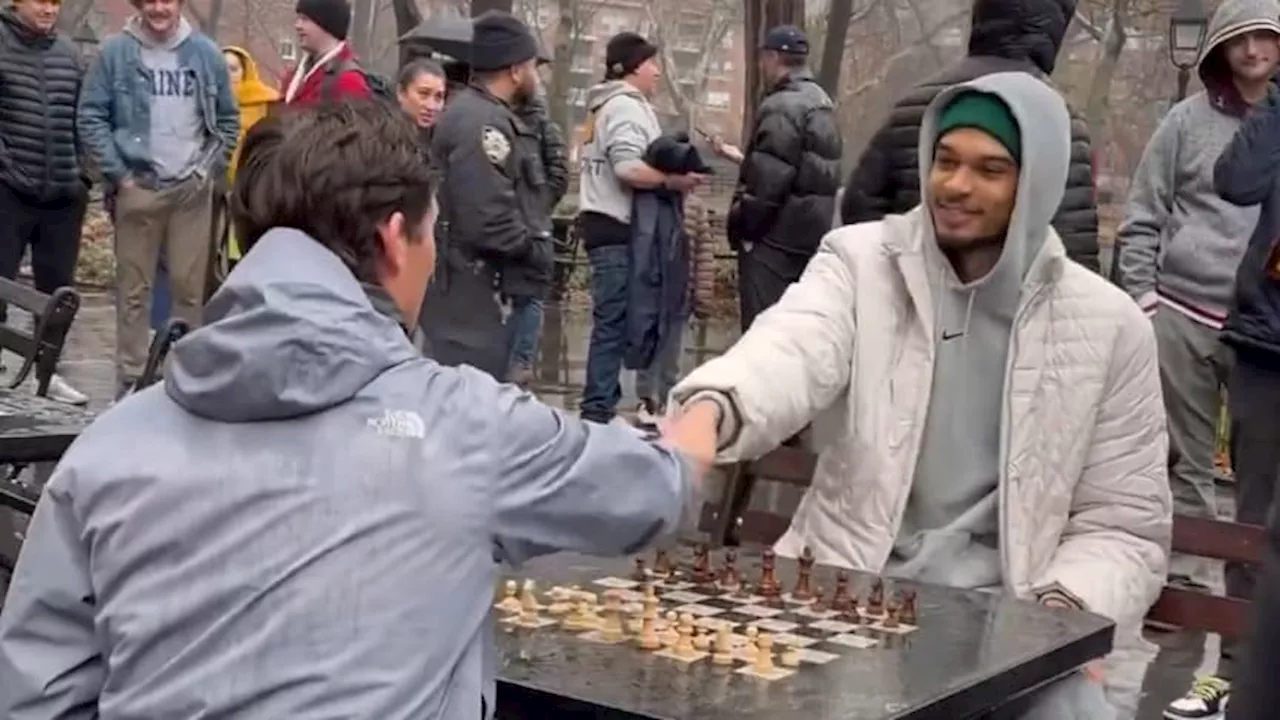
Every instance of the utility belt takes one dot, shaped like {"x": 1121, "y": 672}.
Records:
{"x": 458, "y": 261}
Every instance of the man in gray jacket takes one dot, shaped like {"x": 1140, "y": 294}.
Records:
{"x": 1179, "y": 248}
{"x": 313, "y": 527}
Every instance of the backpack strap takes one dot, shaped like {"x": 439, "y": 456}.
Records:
{"x": 331, "y": 73}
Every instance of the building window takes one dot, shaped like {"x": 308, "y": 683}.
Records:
{"x": 288, "y": 51}
{"x": 717, "y": 99}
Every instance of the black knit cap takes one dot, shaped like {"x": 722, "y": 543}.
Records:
{"x": 333, "y": 16}
{"x": 625, "y": 52}
{"x": 499, "y": 40}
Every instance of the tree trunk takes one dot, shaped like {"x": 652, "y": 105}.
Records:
{"x": 839, "y": 14}
{"x": 561, "y": 64}
{"x": 408, "y": 17}
{"x": 1096, "y": 107}
{"x": 479, "y": 7}
{"x": 73, "y": 15}
{"x": 758, "y": 18}
{"x": 361, "y": 33}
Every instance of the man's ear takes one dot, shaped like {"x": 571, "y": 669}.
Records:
{"x": 394, "y": 239}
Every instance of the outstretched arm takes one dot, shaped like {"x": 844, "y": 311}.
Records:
{"x": 793, "y": 362}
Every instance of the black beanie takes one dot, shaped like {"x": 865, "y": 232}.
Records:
{"x": 333, "y": 16}
{"x": 625, "y": 52}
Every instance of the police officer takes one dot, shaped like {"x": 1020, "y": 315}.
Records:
{"x": 496, "y": 220}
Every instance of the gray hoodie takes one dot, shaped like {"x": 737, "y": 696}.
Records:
{"x": 1180, "y": 244}
{"x": 949, "y": 533}
{"x": 178, "y": 134}
{"x": 621, "y": 124}
{"x": 309, "y": 523}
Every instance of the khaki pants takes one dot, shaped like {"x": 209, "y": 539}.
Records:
{"x": 177, "y": 219}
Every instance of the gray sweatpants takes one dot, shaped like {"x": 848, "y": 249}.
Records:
{"x": 1193, "y": 371}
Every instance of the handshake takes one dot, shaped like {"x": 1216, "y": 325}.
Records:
{"x": 693, "y": 431}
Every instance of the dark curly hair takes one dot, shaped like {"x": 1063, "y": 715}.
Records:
{"x": 335, "y": 172}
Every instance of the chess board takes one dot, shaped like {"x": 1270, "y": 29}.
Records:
{"x": 813, "y": 634}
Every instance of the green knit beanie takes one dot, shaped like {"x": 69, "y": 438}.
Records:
{"x": 985, "y": 112}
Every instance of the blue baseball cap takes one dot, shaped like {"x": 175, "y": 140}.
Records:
{"x": 786, "y": 39}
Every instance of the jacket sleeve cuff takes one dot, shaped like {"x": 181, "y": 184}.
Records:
{"x": 1148, "y": 301}
{"x": 730, "y": 422}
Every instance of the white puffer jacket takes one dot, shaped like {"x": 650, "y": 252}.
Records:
{"x": 1084, "y": 492}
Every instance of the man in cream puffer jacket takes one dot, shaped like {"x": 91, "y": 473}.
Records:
{"x": 988, "y": 412}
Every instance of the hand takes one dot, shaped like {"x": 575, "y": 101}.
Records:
{"x": 1094, "y": 672}
{"x": 684, "y": 183}
{"x": 694, "y": 432}
{"x": 725, "y": 150}
{"x": 127, "y": 182}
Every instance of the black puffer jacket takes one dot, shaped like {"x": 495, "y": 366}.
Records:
{"x": 1007, "y": 35}
{"x": 791, "y": 170}
{"x": 39, "y": 86}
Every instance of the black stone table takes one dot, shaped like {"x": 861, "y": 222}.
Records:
{"x": 972, "y": 652}
{"x": 34, "y": 429}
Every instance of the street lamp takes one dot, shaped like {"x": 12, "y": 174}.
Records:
{"x": 1186, "y": 36}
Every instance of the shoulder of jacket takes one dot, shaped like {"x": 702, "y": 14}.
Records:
{"x": 1091, "y": 296}
{"x": 857, "y": 244}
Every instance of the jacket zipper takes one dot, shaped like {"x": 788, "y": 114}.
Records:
{"x": 1006, "y": 410}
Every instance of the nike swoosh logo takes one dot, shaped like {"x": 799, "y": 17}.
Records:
{"x": 951, "y": 336}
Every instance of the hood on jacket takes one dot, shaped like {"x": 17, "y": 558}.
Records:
{"x": 1045, "y": 124}
{"x": 604, "y": 92}
{"x": 1020, "y": 30}
{"x": 24, "y": 33}
{"x": 251, "y": 90}
{"x": 136, "y": 29}
{"x": 1233, "y": 18}
{"x": 290, "y": 333}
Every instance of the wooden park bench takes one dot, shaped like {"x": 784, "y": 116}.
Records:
{"x": 731, "y": 521}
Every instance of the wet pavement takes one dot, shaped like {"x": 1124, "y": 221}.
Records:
{"x": 559, "y": 374}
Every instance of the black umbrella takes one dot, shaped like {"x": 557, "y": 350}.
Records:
{"x": 447, "y": 34}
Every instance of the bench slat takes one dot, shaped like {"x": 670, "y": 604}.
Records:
{"x": 787, "y": 465}
{"x": 1193, "y": 610}
{"x": 1219, "y": 540}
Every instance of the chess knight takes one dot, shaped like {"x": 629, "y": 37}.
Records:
{"x": 1001, "y": 404}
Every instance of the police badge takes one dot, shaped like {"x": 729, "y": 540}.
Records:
{"x": 495, "y": 144}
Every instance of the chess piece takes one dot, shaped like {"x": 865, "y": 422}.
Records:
{"x": 528, "y": 616}
{"x": 875, "y": 602}
{"x": 729, "y": 577}
{"x": 702, "y": 565}
{"x": 909, "y": 616}
{"x": 640, "y": 574}
{"x": 684, "y": 642}
{"x": 671, "y": 634}
{"x": 510, "y": 603}
{"x": 768, "y": 582}
{"x": 840, "y": 601}
{"x": 662, "y": 564}
{"x": 702, "y": 641}
{"x": 790, "y": 656}
{"x": 804, "y": 576}
{"x": 819, "y": 604}
{"x": 890, "y": 621}
{"x": 753, "y": 632}
{"x": 764, "y": 654}
{"x": 649, "y": 639}
{"x": 723, "y": 654}
{"x": 611, "y": 630}
{"x": 529, "y": 597}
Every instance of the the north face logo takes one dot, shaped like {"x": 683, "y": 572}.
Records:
{"x": 399, "y": 423}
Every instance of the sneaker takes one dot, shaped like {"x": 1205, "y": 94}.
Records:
{"x": 1206, "y": 700}
{"x": 63, "y": 392}
{"x": 648, "y": 414}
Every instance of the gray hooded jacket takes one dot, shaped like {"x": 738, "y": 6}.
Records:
{"x": 1180, "y": 243}
{"x": 303, "y": 521}
{"x": 621, "y": 125}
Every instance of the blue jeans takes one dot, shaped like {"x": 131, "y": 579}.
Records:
{"x": 160, "y": 301}
{"x": 610, "y": 269}
{"x": 524, "y": 329}
{"x": 655, "y": 382}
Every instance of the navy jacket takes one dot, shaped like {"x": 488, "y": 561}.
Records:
{"x": 658, "y": 284}
{"x": 1246, "y": 174}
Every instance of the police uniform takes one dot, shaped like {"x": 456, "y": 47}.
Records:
{"x": 496, "y": 226}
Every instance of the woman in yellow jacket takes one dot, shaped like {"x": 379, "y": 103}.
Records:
{"x": 255, "y": 98}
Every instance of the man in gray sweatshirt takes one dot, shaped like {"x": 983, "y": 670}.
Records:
{"x": 1178, "y": 250}
{"x": 163, "y": 143}
{"x": 621, "y": 125}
